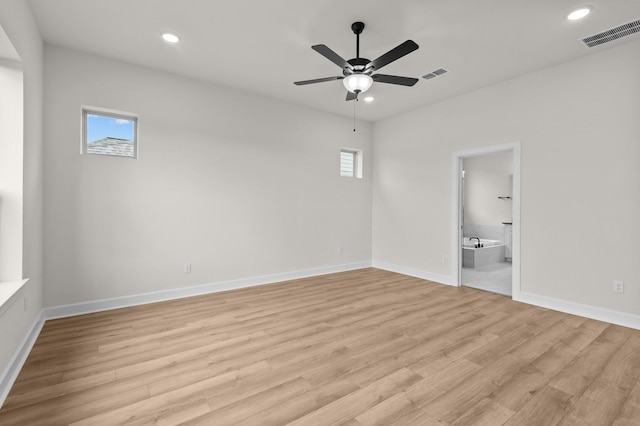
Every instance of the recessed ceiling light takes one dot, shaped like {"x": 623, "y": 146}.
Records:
{"x": 579, "y": 13}
{"x": 170, "y": 38}
{"x": 369, "y": 99}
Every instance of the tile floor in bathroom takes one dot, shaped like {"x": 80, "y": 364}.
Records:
{"x": 495, "y": 278}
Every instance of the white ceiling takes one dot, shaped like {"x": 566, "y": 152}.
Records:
{"x": 264, "y": 46}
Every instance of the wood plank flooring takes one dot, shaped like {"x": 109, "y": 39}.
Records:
{"x": 360, "y": 348}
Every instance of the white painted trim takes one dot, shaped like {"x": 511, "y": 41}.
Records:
{"x": 587, "y": 311}
{"x": 10, "y": 373}
{"x": 456, "y": 254}
{"x": 457, "y": 158}
{"x": 10, "y": 291}
{"x": 179, "y": 293}
{"x": 412, "y": 272}
{"x": 516, "y": 259}
{"x": 573, "y": 308}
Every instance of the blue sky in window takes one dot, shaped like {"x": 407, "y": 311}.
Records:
{"x": 100, "y": 127}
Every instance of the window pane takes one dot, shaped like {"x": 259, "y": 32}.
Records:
{"x": 110, "y": 134}
{"x": 347, "y": 163}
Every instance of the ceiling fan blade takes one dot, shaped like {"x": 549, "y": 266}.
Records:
{"x": 317, "y": 80}
{"x": 392, "y": 55}
{"x": 394, "y": 79}
{"x": 351, "y": 96}
{"x": 332, "y": 56}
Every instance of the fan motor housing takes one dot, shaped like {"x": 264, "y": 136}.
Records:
{"x": 358, "y": 65}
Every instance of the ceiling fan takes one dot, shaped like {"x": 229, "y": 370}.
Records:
{"x": 358, "y": 73}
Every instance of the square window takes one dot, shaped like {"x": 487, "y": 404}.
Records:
{"x": 109, "y": 133}
{"x": 350, "y": 163}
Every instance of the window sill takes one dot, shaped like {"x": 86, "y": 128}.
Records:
{"x": 9, "y": 293}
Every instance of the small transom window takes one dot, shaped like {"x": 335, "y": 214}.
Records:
{"x": 109, "y": 133}
{"x": 350, "y": 163}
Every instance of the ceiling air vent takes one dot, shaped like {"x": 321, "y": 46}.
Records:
{"x": 612, "y": 34}
{"x": 434, "y": 74}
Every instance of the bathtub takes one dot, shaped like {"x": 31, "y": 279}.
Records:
{"x": 467, "y": 242}
{"x": 492, "y": 251}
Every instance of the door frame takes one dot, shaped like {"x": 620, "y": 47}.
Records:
{"x": 456, "y": 231}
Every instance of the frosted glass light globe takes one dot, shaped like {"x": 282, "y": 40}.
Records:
{"x": 357, "y": 83}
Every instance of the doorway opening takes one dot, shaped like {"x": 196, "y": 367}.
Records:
{"x": 486, "y": 234}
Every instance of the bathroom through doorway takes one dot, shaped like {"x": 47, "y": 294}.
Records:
{"x": 487, "y": 225}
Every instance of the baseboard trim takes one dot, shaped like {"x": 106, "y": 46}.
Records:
{"x": 179, "y": 293}
{"x": 587, "y": 311}
{"x": 412, "y": 272}
{"x": 10, "y": 374}
{"x": 12, "y": 370}
{"x": 573, "y": 308}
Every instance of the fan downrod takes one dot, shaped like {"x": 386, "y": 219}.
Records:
{"x": 357, "y": 28}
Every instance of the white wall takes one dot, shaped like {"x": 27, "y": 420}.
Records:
{"x": 16, "y": 322}
{"x": 236, "y": 184}
{"x": 579, "y": 131}
{"x": 488, "y": 177}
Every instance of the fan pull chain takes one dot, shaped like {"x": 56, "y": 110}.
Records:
{"x": 354, "y": 114}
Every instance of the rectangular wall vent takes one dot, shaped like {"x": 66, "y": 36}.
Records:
{"x": 434, "y": 74}
{"x": 612, "y": 34}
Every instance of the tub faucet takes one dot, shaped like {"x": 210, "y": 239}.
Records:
{"x": 475, "y": 238}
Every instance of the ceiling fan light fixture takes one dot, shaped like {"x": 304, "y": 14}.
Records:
{"x": 358, "y": 71}
{"x": 357, "y": 83}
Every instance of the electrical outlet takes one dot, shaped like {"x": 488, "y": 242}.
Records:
{"x": 340, "y": 251}
{"x": 617, "y": 286}
{"x": 187, "y": 268}
{"x": 445, "y": 259}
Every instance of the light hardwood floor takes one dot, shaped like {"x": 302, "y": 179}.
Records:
{"x": 366, "y": 347}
